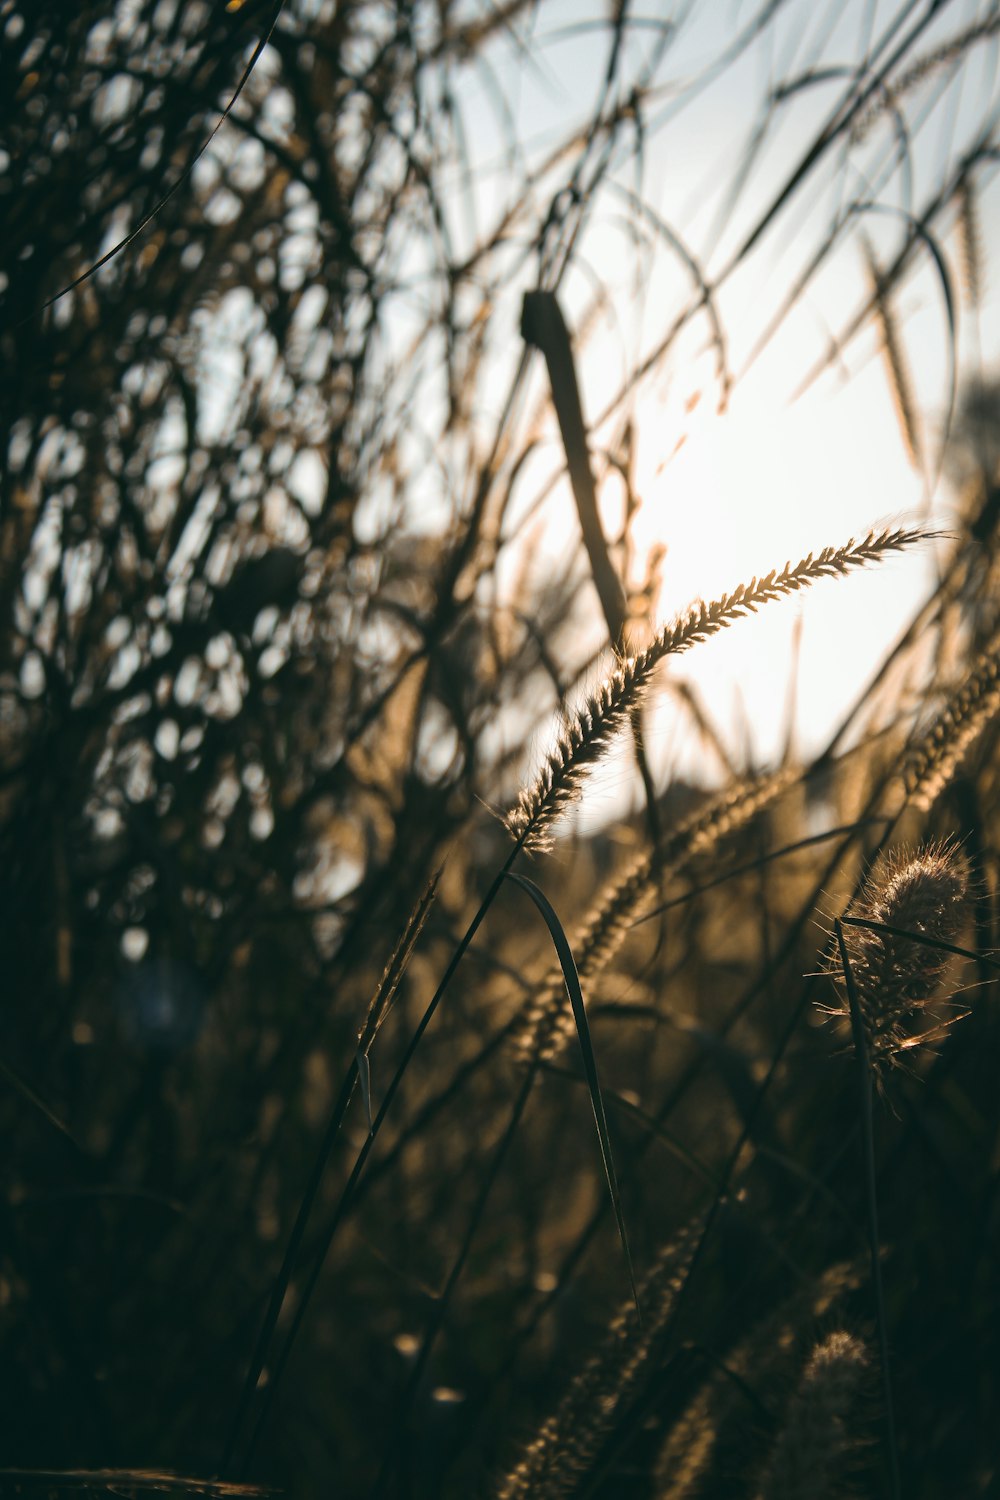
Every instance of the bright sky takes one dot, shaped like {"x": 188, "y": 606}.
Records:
{"x": 734, "y": 494}
{"x": 770, "y": 479}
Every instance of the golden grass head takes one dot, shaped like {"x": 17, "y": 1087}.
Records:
{"x": 931, "y": 763}
{"x": 815, "y": 1442}
{"x": 587, "y": 733}
{"x": 922, "y": 892}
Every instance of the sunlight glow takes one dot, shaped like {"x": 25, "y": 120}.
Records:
{"x": 754, "y": 440}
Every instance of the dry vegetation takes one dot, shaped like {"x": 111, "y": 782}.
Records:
{"x": 345, "y": 1081}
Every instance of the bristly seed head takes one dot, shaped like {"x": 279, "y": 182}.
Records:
{"x": 587, "y": 733}
{"x": 815, "y": 1444}
{"x": 922, "y": 892}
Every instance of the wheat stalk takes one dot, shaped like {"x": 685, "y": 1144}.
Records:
{"x": 691, "y": 1444}
{"x": 590, "y": 730}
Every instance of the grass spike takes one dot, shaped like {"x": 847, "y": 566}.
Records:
{"x": 547, "y": 1025}
{"x": 567, "y": 1442}
{"x": 931, "y": 763}
{"x": 970, "y": 241}
{"x": 815, "y": 1442}
{"x": 896, "y": 366}
{"x": 922, "y": 892}
{"x": 591, "y": 728}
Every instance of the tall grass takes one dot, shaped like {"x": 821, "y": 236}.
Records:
{"x": 347, "y": 1074}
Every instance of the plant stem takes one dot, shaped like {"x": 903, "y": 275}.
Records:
{"x": 868, "y": 1152}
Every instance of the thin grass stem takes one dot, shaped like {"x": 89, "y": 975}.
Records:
{"x": 866, "y": 1086}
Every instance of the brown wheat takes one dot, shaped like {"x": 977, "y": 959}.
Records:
{"x": 919, "y": 72}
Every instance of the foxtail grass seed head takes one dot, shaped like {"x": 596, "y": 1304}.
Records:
{"x": 697, "y": 1457}
{"x": 896, "y": 367}
{"x": 548, "y": 1022}
{"x": 588, "y": 732}
{"x": 568, "y": 1442}
{"x": 814, "y": 1446}
{"x": 890, "y": 98}
{"x": 932, "y": 762}
{"x": 971, "y": 241}
{"x": 922, "y": 892}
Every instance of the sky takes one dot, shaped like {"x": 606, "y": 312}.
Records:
{"x": 756, "y": 438}
{"x": 779, "y": 472}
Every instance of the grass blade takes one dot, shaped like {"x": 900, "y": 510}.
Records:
{"x": 572, "y": 979}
